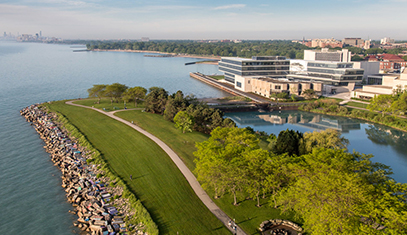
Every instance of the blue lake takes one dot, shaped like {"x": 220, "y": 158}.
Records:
{"x": 31, "y": 196}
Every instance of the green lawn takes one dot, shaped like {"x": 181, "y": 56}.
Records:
{"x": 247, "y": 215}
{"x": 107, "y": 105}
{"x": 217, "y": 77}
{"x": 357, "y": 104}
{"x": 157, "y": 182}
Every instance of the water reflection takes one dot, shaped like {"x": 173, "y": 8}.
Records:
{"x": 385, "y": 143}
{"x": 303, "y": 119}
{"x": 389, "y": 137}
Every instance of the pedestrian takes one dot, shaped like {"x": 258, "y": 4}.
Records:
{"x": 230, "y": 223}
{"x": 131, "y": 177}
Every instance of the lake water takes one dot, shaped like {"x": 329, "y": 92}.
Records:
{"x": 31, "y": 197}
{"x": 32, "y": 200}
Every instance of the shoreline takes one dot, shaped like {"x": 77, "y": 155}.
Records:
{"x": 165, "y": 53}
{"x": 97, "y": 203}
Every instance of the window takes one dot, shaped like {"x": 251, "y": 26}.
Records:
{"x": 248, "y": 81}
{"x": 239, "y": 84}
{"x": 277, "y": 87}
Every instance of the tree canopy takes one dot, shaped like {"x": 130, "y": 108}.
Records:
{"x": 183, "y": 121}
{"x": 135, "y": 93}
{"x": 97, "y": 91}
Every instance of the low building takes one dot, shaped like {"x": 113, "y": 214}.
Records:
{"x": 266, "y": 66}
{"x": 266, "y": 86}
{"x": 389, "y": 84}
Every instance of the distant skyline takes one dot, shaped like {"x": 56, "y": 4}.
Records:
{"x": 209, "y": 19}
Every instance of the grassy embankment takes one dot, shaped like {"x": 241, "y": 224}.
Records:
{"x": 157, "y": 182}
{"x": 247, "y": 215}
{"x": 356, "y": 104}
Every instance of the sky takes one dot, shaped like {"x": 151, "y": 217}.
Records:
{"x": 206, "y": 19}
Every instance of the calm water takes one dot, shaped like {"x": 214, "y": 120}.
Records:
{"x": 31, "y": 198}
{"x": 386, "y": 144}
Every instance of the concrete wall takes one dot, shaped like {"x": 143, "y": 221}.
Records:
{"x": 369, "y": 67}
{"x": 246, "y": 83}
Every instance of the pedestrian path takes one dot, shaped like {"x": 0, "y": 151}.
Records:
{"x": 203, "y": 196}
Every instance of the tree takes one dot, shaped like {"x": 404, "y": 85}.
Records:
{"x": 97, "y": 91}
{"x": 330, "y": 139}
{"x": 400, "y": 105}
{"x": 115, "y": 91}
{"x": 255, "y": 161}
{"x": 135, "y": 93}
{"x": 183, "y": 121}
{"x": 374, "y": 51}
{"x": 288, "y": 141}
{"x": 327, "y": 193}
{"x": 308, "y": 94}
{"x": 381, "y": 103}
{"x": 219, "y": 161}
{"x": 356, "y": 58}
{"x": 156, "y": 99}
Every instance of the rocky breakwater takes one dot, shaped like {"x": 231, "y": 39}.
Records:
{"x": 98, "y": 203}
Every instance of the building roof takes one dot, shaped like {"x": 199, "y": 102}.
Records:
{"x": 384, "y": 57}
{"x": 391, "y": 57}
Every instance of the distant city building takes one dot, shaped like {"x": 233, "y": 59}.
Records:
{"x": 326, "y": 43}
{"x": 145, "y": 39}
{"x": 267, "y": 66}
{"x": 325, "y": 55}
{"x": 355, "y": 42}
{"x": 386, "y": 41}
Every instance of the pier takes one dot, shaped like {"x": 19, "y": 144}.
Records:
{"x": 259, "y": 102}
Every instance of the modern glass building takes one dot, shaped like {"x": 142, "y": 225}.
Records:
{"x": 266, "y": 66}
{"x": 331, "y": 73}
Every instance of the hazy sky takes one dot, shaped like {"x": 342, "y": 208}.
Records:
{"x": 205, "y": 19}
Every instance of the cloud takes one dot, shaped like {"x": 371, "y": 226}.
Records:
{"x": 231, "y": 6}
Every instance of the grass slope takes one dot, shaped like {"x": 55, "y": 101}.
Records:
{"x": 107, "y": 105}
{"x": 247, "y": 215}
{"x": 157, "y": 182}
{"x": 357, "y": 104}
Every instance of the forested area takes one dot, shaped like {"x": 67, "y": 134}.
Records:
{"x": 312, "y": 174}
{"x": 243, "y": 49}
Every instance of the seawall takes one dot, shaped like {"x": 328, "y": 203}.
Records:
{"x": 84, "y": 185}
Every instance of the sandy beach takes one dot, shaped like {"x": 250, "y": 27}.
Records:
{"x": 172, "y": 54}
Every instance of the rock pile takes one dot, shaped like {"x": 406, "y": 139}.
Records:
{"x": 92, "y": 199}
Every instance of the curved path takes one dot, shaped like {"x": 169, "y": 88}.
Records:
{"x": 181, "y": 166}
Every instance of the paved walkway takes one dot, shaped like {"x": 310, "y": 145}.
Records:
{"x": 181, "y": 166}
